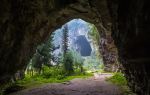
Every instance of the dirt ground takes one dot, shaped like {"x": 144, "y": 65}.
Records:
{"x": 90, "y": 86}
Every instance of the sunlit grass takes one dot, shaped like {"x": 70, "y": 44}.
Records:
{"x": 39, "y": 80}
{"x": 120, "y": 80}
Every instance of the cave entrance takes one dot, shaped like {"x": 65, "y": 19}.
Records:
{"x": 26, "y": 23}
{"x": 70, "y": 50}
{"x": 76, "y": 50}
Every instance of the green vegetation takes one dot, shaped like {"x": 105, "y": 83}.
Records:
{"x": 96, "y": 57}
{"x": 41, "y": 69}
{"x": 68, "y": 63}
{"x": 93, "y": 33}
{"x": 46, "y": 67}
{"x": 120, "y": 80}
{"x": 50, "y": 75}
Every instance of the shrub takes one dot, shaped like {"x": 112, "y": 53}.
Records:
{"x": 118, "y": 78}
{"x": 53, "y": 72}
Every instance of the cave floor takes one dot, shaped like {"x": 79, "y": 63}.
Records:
{"x": 90, "y": 86}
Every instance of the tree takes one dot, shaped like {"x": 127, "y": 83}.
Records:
{"x": 68, "y": 63}
{"x": 46, "y": 49}
{"x": 93, "y": 33}
{"x": 78, "y": 60}
{"x": 37, "y": 62}
{"x": 65, "y": 39}
{"x": 43, "y": 56}
{"x": 67, "y": 56}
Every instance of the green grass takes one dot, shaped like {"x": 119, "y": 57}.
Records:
{"x": 50, "y": 75}
{"x": 120, "y": 80}
{"x": 39, "y": 80}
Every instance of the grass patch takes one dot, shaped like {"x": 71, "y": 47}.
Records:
{"x": 28, "y": 82}
{"x": 49, "y": 75}
{"x": 120, "y": 80}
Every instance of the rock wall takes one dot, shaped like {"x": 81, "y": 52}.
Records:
{"x": 131, "y": 32}
{"x": 26, "y": 23}
{"x": 23, "y": 25}
{"x": 106, "y": 43}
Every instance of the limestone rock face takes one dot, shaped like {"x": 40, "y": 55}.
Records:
{"x": 23, "y": 25}
{"x": 131, "y": 32}
{"x": 83, "y": 46}
{"x": 26, "y": 23}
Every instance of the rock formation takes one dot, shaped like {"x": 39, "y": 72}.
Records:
{"x": 83, "y": 46}
{"x": 130, "y": 30}
{"x": 26, "y": 23}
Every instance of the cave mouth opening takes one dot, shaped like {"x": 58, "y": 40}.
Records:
{"x": 76, "y": 44}
{"x": 76, "y": 50}
{"x": 24, "y": 24}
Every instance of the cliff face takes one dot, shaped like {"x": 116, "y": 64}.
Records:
{"x": 23, "y": 24}
{"x": 26, "y": 23}
{"x": 130, "y": 30}
{"x": 83, "y": 46}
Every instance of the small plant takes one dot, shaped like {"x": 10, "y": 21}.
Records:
{"x": 120, "y": 80}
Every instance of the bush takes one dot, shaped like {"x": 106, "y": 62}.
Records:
{"x": 60, "y": 77}
{"x": 118, "y": 78}
{"x": 53, "y": 72}
{"x": 47, "y": 72}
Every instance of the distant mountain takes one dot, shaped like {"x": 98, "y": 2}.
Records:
{"x": 83, "y": 46}
{"x": 77, "y": 40}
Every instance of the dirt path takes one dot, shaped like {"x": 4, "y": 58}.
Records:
{"x": 91, "y": 86}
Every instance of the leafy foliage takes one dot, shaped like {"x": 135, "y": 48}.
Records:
{"x": 50, "y": 75}
{"x": 46, "y": 49}
{"x": 68, "y": 63}
{"x": 118, "y": 78}
{"x": 54, "y": 72}
{"x": 77, "y": 60}
{"x": 94, "y": 33}
{"x": 43, "y": 56}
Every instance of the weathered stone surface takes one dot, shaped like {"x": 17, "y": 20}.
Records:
{"x": 25, "y": 23}
{"x": 131, "y": 20}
